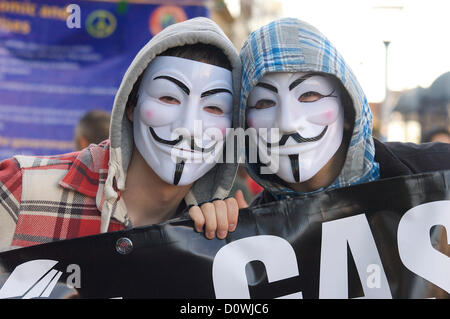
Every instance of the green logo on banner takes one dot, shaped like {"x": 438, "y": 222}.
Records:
{"x": 101, "y": 23}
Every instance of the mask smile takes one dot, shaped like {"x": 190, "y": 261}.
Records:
{"x": 290, "y": 103}
{"x": 176, "y": 96}
{"x": 163, "y": 141}
{"x": 193, "y": 145}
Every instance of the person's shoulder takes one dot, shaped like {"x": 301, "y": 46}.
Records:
{"x": 45, "y": 162}
{"x": 13, "y": 170}
{"x": 34, "y": 172}
{"x": 9, "y": 164}
{"x": 88, "y": 156}
{"x": 419, "y": 158}
{"x": 412, "y": 150}
{"x": 10, "y": 175}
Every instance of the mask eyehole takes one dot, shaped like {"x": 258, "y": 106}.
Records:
{"x": 213, "y": 110}
{"x": 169, "y": 100}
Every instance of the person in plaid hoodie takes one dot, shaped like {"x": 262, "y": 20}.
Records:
{"x": 295, "y": 80}
{"x": 118, "y": 184}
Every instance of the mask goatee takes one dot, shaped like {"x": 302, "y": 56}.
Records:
{"x": 178, "y": 171}
{"x": 295, "y": 166}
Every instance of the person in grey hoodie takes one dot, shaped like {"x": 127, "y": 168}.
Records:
{"x": 147, "y": 172}
{"x": 295, "y": 81}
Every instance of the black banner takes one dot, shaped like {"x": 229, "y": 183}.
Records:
{"x": 384, "y": 239}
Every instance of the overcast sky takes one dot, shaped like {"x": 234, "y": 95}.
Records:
{"x": 419, "y": 33}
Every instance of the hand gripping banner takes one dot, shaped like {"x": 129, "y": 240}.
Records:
{"x": 384, "y": 239}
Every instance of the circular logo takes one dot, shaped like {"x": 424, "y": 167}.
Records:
{"x": 124, "y": 246}
{"x": 101, "y": 23}
{"x": 165, "y": 16}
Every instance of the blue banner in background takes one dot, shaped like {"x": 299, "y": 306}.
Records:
{"x": 50, "y": 74}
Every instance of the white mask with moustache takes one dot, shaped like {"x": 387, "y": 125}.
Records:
{"x": 307, "y": 110}
{"x": 184, "y": 108}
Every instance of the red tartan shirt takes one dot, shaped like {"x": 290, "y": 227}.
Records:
{"x": 57, "y": 197}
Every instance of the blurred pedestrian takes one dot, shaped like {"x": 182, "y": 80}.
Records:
{"x": 440, "y": 134}
{"x": 93, "y": 128}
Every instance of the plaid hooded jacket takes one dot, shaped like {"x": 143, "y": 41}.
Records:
{"x": 55, "y": 197}
{"x": 291, "y": 45}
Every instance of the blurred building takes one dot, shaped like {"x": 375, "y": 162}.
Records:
{"x": 435, "y": 104}
{"x": 422, "y": 109}
{"x": 238, "y": 18}
{"x": 375, "y": 108}
{"x": 222, "y": 16}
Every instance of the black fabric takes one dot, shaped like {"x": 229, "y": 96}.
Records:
{"x": 397, "y": 159}
{"x": 286, "y": 247}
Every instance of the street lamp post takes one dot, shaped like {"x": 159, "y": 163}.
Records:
{"x": 388, "y": 13}
{"x": 385, "y": 108}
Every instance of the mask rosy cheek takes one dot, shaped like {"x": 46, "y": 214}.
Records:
{"x": 215, "y": 131}
{"x": 326, "y": 117}
{"x": 223, "y": 130}
{"x": 148, "y": 114}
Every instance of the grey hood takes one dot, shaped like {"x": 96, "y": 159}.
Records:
{"x": 219, "y": 180}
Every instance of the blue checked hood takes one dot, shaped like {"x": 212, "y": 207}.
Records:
{"x": 290, "y": 45}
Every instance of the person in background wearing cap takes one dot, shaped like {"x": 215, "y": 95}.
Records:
{"x": 92, "y": 128}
